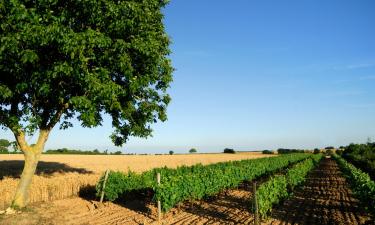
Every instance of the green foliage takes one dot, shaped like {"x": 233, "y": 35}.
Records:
{"x": 339, "y": 152}
{"x": 193, "y": 150}
{"x": 229, "y": 150}
{"x": 361, "y": 183}
{"x": 267, "y": 152}
{"x": 271, "y": 193}
{"x": 62, "y": 59}
{"x": 329, "y": 148}
{"x": 362, "y": 156}
{"x": 4, "y": 144}
{"x": 194, "y": 182}
{"x": 279, "y": 187}
{"x": 171, "y": 152}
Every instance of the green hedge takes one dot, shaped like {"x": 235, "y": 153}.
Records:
{"x": 279, "y": 187}
{"x": 361, "y": 183}
{"x": 194, "y": 182}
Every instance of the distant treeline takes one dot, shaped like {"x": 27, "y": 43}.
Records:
{"x": 286, "y": 151}
{"x": 81, "y": 152}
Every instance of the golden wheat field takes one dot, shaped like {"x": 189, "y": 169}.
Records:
{"x": 64, "y": 176}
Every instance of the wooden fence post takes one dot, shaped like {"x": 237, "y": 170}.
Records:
{"x": 105, "y": 181}
{"x": 159, "y": 203}
{"x": 256, "y": 212}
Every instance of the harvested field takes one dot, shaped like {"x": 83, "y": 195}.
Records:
{"x": 64, "y": 176}
{"x": 11, "y": 165}
{"x": 324, "y": 199}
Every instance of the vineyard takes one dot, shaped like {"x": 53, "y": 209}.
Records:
{"x": 222, "y": 193}
{"x": 195, "y": 182}
{"x": 200, "y": 112}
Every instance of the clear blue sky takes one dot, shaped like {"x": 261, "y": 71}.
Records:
{"x": 260, "y": 75}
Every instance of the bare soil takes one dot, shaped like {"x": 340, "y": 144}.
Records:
{"x": 230, "y": 207}
{"x": 324, "y": 199}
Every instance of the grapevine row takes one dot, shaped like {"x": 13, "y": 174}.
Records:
{"x": 194, "y": 182}
{"x": 361, "y": 183}
{"x": 279, "y": 187}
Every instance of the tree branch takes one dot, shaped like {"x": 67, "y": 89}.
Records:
{"x": 57, "y": 117}
{"x": 21, "y": 140}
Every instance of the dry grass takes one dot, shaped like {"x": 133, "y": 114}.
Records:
{"x": 63, "y": 176}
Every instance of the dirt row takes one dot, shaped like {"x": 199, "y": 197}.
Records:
{"x": 324, "y": 199}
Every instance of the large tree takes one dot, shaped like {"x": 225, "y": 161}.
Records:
{"x": 66, "y": 59}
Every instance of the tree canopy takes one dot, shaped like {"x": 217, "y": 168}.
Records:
{"x": 62, "y": 59}
{"x": 65, "y": 59}
{"x": 192, "y": 150}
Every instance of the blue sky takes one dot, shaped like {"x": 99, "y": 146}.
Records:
{"x": 260, "y": 75}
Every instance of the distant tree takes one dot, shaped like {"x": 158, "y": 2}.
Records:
{"x": 267, "y": 152}
{"x": 96, "y": 151}
{"x": 193, "y": 150}
{"x": 117, "y": 153}
{"x": 171, "y": 152}
{"x": 229, "y": 150}
{"x": 4, "y": 144}
{"x": 317, "y": 151}
{"x": 64, "y": 59}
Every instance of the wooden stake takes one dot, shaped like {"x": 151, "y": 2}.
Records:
{"x": 159, "y": 203}
{"x": 256, "y": 217}
{"x": 105, "y": 181}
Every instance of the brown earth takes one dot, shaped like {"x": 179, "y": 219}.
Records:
{"x": 324, "y": 199}
{"x": 230, "y": 207}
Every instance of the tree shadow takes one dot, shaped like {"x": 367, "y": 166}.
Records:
{"x": 13, "y": 168}
{"x": 139, "y": 201}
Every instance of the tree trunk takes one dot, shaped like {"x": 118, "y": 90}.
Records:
{"x": 21, "y": 197}
{"x": 32, "y": 154}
